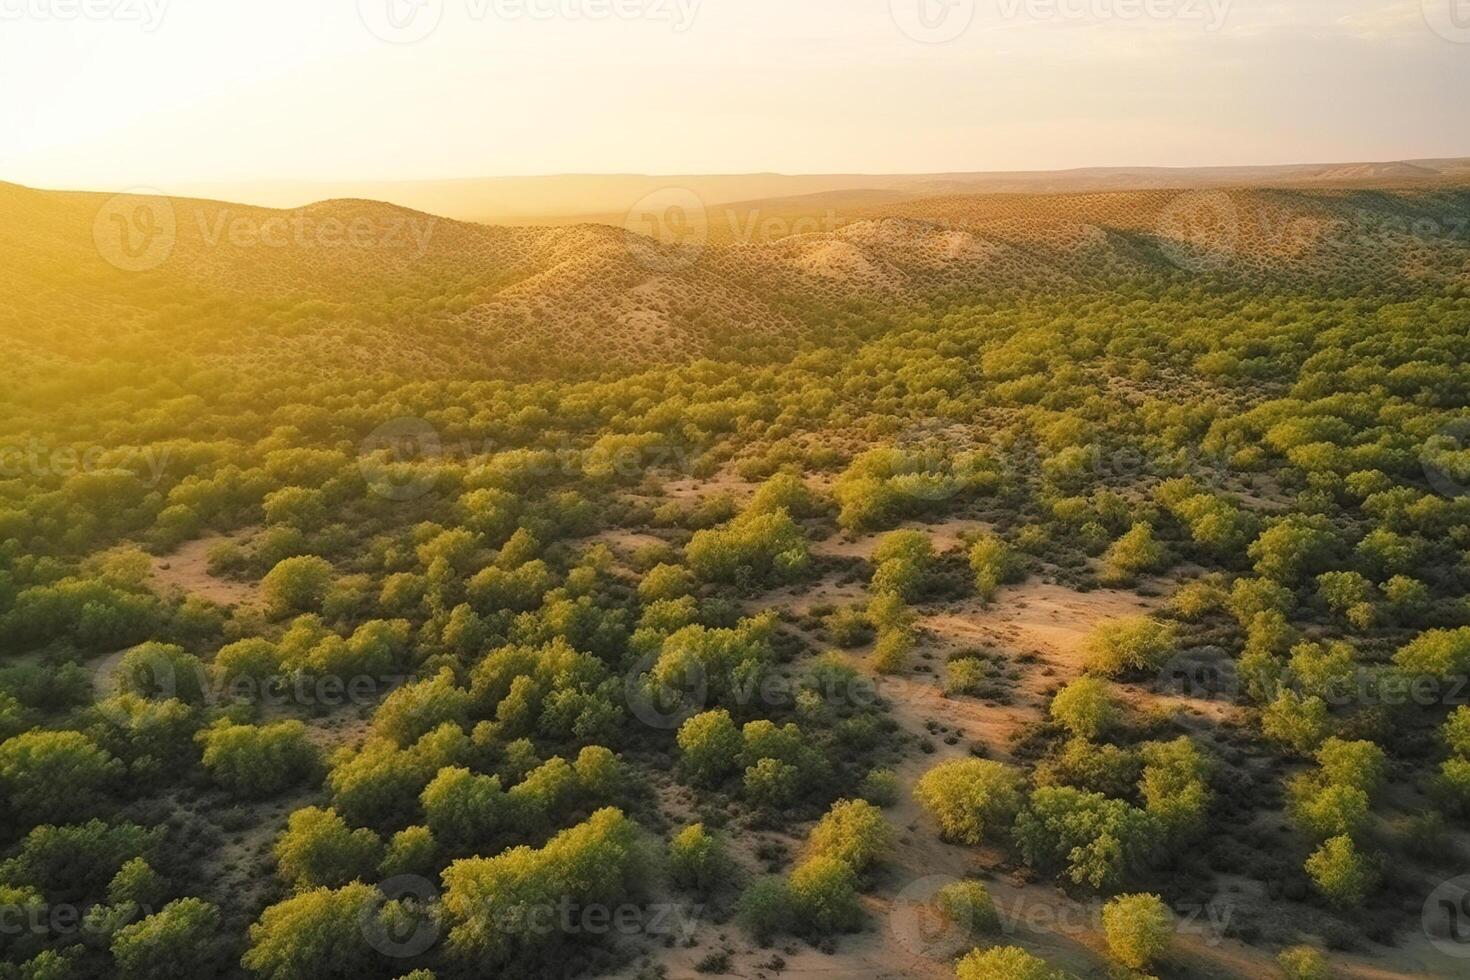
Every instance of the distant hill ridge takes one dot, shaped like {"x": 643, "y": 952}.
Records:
{"x": 563, "y": 198}
{"x": 353, "y": 280}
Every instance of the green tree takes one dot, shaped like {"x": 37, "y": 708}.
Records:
{"x": 1135, "y": 553}
{"x": 1129, "y": 645}
{"x": 1005, "y": 963}
{"x": 972, "y": 799}
{"x": 258, "y": 761}
{"x": 318, "y": 849}
{"x": 1085, "y": 707}
{"x": 464, "y": 810}
{"x": 1437, "y": 653}
{"x": 765, "y": 908}
{"x": 968, "y": 905}
{"x": 1094, "y": 840}
{"x": 315, "y": 935}
{"x": 711, "y": 746}
{"x": 903, "y": 564}
{"x": 1304, "y": 963}
{"x": 853, "y": 831}
{"x": 54, "y": 777}
{"x": 824, "y": 895}
{"x": 296, "y": 585}
{"x": 697, "y": 859}
{"x": 1139, "y": 929}
{"x": 994, "y": 565}
{"x": 137, "y": 884}
{"x": 178, "y": 942}
{"x": 1341, "y": 872}
{"x": 1299, "y": 723}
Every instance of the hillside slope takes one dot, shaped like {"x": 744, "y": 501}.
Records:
{"x": 360, "y": 282}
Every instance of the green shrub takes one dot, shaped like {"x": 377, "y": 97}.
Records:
{"x": 178, "y": 942}
{"x": 318, "y": 849}
{"x": 711, "y": 746}
{"x": 1341, "y": 872}
{"x": 697, "y": 859}
{"x": 258, "y": 761}
{"x": 854, "y": 832}
{"x": 1133, "y": 644}
{"x": 967, "y": 904}
{"x": 972, "y": 799}
{"x": 1085, "y": 707}
{"x": 824, "y": 896}
{"x": 1005, "y": 963}
{"x": 1139, "y": 929}
{"x": 1303, "y": 963}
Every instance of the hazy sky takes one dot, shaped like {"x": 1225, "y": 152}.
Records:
{"x": 118, "y": 93}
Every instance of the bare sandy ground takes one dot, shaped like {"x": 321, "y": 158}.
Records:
{"x": 187, "y": 570}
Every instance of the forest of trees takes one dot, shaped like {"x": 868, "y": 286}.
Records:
{"x": 560, "y": 661}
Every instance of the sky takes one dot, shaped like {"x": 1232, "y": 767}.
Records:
{"x": 112, "y": 94}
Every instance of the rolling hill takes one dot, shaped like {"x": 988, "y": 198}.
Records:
{"x": 360, "y": 282}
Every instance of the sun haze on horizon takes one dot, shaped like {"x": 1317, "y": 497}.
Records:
{"x": 121, "y": 93}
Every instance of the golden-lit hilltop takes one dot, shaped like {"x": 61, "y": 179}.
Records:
{"x": 353, "y": 281}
